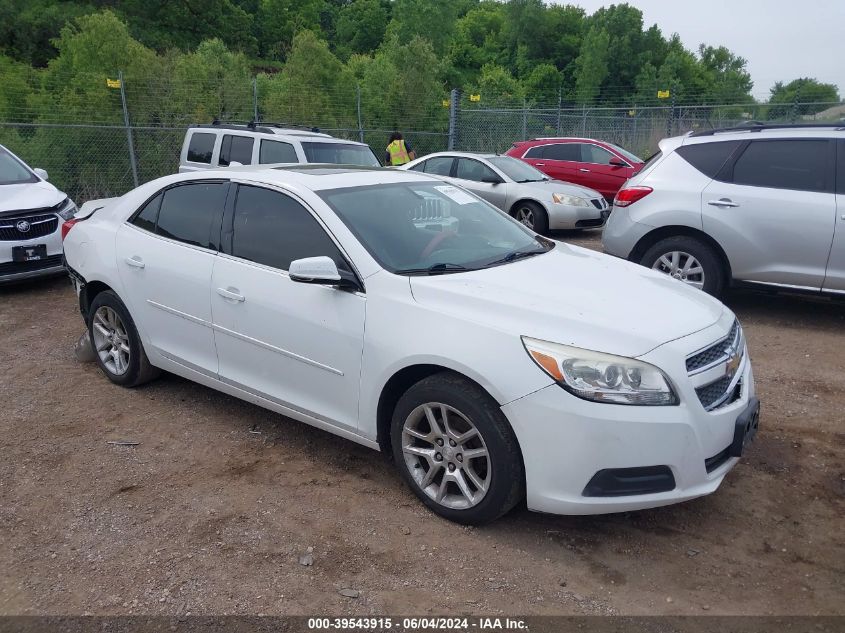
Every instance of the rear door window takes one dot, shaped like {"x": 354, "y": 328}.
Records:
{"x": 236, "y": 149}
{"x": 276, "y": 152}
{"x": 201, "y": 147}
{"x": 469, "y": 169}
{"x": 189, "y": 211}
{"x": 594, "y": 154}
{"x": 708, "y": 158}
{"x": 440, "y": 165}
{"x": 799, "y": 164}
{"x": 840, "y": 170}
{"x": 564, "y": 151}
{"x": 147, "y": 216}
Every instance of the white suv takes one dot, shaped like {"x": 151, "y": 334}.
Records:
{"x": 32, "y": 212}
{"x": 762, "y": 205}
{"x": 223, "y": 145}
{"x": 491, "y": 362}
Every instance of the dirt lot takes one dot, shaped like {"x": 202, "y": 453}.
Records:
{"x": 211, "y": 512}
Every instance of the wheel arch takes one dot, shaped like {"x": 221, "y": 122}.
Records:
{"x": 514, "y": 206}
{"x": 651, "y": 238}
{"x": 88, "y": 294}
{"x": 402, "y": 380}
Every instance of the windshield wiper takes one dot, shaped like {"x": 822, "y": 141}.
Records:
{"x": 435, "y": 269}
{"x": 515, "y": 255}
{"x": 533, "y": 180}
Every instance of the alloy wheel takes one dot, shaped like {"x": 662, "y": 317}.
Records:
{"x": 526, "y": 216}
{"x": 111, "y": 340}
{"x": 446, "y": 455}
{"x": 681, "y": 266}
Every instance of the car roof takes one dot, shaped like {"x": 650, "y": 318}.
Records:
{"x": 464, "y": 155}
{"x": 286, "y": 133}
{"x": 314, "y": 176}
{"x": 771, "y": 131}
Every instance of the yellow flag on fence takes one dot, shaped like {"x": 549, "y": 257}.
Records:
{"x": 445, "y": 103}
{"x": 475, "y": 97}
{"x": 663, "y": 94}
{"x": 113, "y": 83}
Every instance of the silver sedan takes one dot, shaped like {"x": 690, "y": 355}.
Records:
{"x": 518, "y": 189}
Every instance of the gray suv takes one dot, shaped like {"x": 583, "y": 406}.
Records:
{"x": 759, "y": 205}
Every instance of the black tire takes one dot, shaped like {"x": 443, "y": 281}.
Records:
{"x": 506, "y": 476}
{"x": 540, "y": 220}
{"x": 139, "y": 369}
{"x": 714, "y": 270}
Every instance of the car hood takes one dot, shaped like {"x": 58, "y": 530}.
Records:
{"x": 31, "y": 195}
{"x": 559, "y": 186}
{"x": 574, "y": 296}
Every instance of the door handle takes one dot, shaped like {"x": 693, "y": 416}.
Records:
{"x": 229, "y": 294}
{"x": 723, "y": 202}
{"x": 584, "y": 170}
{"x": 540, "y": 164}
{"x": 135, "y": 261}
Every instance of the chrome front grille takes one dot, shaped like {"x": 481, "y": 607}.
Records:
{"x": 715, "y": 371}
{"x": 27, "y": 227}
{"x": 718, "y": 352}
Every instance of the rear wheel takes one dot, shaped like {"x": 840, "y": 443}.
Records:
{"x": 688, "y": 260}
{"x": 115, "y": 340}
{"x": 456, "y": 450}
{"x": 532, "y": 215}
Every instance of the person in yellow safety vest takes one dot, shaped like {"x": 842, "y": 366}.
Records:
{"x": 398, "y": 152}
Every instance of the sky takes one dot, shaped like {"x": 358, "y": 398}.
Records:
{"x": 781, "y": 39}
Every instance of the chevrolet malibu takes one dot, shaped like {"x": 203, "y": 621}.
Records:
{"x": 493, "y": 364}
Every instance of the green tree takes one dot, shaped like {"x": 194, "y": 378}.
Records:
{"x": 543, "y": 84}
{"x": 278, "y": 21}
{"x": 360, "y": 27}
{"x": 729, "y": 80}
{"x": 497, "y": 86}
{"x": 591, "y": 67}
{"x": 433, "y": 20}
{"x": 802, "y": 96}
{"x": 28, "y": 27}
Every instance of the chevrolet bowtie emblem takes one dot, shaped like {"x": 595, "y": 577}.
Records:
{"x": 733, "y": 363}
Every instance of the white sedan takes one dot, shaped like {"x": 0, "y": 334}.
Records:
{"x": 492, "y": 363}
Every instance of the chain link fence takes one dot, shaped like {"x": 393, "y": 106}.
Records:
{"x": 99, "y": 140}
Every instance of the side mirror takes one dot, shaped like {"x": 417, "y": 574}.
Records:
{"x": 617, "y": 162}
{"x": 492, "y": 180}
{"x": 322, "y": 271}
{"x": 41, "y": 173}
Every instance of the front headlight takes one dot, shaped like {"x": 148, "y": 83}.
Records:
{"x": 602, "y": 377}
{"x": 572, "y": 201}
{"x": 67, "y": 210}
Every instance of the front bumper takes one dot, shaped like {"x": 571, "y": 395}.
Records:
{"x": 566, "y": 217}
{"x": 11, "y": 271}
{"x": 566, "y": 441}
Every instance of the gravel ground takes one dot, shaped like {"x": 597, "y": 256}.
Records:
{"x": 221, "y": 502}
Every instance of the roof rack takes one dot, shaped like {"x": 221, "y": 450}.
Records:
{"x": 758, "y": 126}
{"x": 264, "y": 127}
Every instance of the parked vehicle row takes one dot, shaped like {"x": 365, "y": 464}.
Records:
{"x": 493, "y": 364}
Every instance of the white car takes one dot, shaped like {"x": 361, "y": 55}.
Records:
{"x": 519, "y": 189}
{"x": 492, "y": 363}
{"x": 223, "y": 145}
{"x": 32, "y": 212}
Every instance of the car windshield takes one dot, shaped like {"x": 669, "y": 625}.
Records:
{"x": 13, "y": 171}
{"x": 517, "y": 170}
{"x": 626, "y": 154}
{"x": 431, "y": 228}
{"x": 340, "y": 154}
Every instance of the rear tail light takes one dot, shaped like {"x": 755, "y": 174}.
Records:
{"x": 67, "y": 226}
{"x": 627, "y": 197}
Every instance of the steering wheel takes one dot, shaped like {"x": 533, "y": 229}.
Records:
{"x": 435, "y": 242}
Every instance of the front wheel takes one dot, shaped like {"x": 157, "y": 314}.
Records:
{"x": 688, "y": 260}
{"x": 456, "y": 450}
{"x": 533, "y": 216}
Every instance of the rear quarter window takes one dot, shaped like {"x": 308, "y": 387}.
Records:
{"x": 201, "y": 147}
{"x": 797, "y": 164}
{"x": 708, "y": 158}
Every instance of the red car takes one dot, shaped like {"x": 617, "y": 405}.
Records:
{"x": 584, "y": 161}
